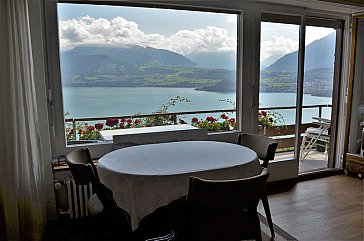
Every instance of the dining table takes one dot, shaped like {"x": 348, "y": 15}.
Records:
{"x": 145, "y": 177}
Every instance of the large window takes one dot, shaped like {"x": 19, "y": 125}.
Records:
{"x": 118, "y": 61}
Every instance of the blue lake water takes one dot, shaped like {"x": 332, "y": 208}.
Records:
{"x": 83, "y": 102}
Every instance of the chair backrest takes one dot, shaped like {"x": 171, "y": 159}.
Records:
{"x": 81, "y": 156}
{"x": 323, "y": 124}
{"x": 225, "y": 209}
{"x": 264, "y": 146}
{"x": 84, "y": 172}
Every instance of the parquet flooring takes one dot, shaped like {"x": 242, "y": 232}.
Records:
{"x": 329, "y": 208}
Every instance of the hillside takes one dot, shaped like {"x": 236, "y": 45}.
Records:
{"x": 319, "y": 54}
{"x": 319, "y": 62}
{"x": 136, "y": 66}
{"x": 214, "y": 60}
{"x": 317, "y": 82}
{"x": 134, "y": 54}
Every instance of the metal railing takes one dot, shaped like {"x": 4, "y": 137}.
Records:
{"x": 75, "y": 120}
{"x": 294, "y": 107}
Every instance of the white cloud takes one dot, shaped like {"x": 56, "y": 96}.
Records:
{"x": 315, "y": 33}
{"x": 277, "y": 46}
{"x": 119, "y": 31}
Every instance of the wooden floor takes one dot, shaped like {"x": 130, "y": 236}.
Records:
{"x": 329, "y": 208}
{"x": 314, "y": 161}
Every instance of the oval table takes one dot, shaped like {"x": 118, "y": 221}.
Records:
{"x": 146, "y": 177}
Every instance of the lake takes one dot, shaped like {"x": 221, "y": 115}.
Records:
{"x": 83, "y": 102}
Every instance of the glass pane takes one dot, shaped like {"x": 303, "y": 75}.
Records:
{"x": 120, "y": 61}
{"x": 278, "y": 84}
{"x": 317, "y": 99}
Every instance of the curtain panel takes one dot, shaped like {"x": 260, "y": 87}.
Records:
{"x": 22, "y": 197}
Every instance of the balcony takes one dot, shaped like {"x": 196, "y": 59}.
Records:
{"x": 86, "y": 130}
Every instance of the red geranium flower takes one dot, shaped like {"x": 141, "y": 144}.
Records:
{"x": 210, "y": 119}
{"x": 122, "y": 119}
{"x": 80, "y": 131}
{"x": 112, "y": 122}
{"x": 224, "y": 116}
{"x": 137, "y": 121}
{"x": 129, "y": 121}
{"x": 194, "y": 120}
{"x": 99, "y": 126}
{"x": 232, "y": 120}
{"x": 90, "y": 128}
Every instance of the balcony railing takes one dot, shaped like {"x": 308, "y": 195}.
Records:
{"x": 173, "y": 116}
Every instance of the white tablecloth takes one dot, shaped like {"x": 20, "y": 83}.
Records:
{"x": 146, "y": 177}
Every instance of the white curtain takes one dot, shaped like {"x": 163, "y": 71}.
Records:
{"x": 22, "y": 198}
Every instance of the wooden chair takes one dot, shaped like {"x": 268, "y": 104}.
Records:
{"x": 111, "y": 221}
{"x": 225, "y": 209}
{"x": 265, "y": 148}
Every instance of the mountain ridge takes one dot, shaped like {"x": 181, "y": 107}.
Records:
{"x": 319, "y": 54}
{"x": 136, "y": 66}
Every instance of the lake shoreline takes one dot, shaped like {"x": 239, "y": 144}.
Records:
{"x": 88, "y": 102}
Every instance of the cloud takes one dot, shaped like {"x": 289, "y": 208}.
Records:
{"x": 315, "y": 33}
{"x": 88, "y": 31}
{"x": 277, "y": 46}
{"x": 287, "y": 41}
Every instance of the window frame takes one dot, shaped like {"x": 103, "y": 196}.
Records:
{"x": 304, "y": 21}
{"x": 55, "y": 95}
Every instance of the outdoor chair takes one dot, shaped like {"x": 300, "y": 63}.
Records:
{"x": 315, "y": 136}
{"x": 109, "y": 222}
{"x": 225, "y": 209}
{"x": 265, "y": 148}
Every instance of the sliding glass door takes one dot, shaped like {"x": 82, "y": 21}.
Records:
{"x": 293, "y": 98}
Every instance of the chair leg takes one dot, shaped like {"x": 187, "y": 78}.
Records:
{"x": 258, "y": 230}
{"x": 267, "y": 213}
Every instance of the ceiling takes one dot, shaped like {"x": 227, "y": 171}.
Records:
{"x": 351, "y": 2}
{"x": 339, "y": 6}
{"x": 342, "y": 6}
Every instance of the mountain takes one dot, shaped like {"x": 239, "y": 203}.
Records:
{"x": 135, "y": 66}
{"x": 281, "y": 76}
{"x": 214, "y": 60}
{"x": 319, "y": 54}
{"x": 74, "y": 62}
{"x": 270, "y": 60}
{"x": 134, "y": 54}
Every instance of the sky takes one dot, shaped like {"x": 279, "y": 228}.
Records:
{"x": 280, "y": 39}
{"x": 181, "y": 31}
{"x": 176, "y": 30}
